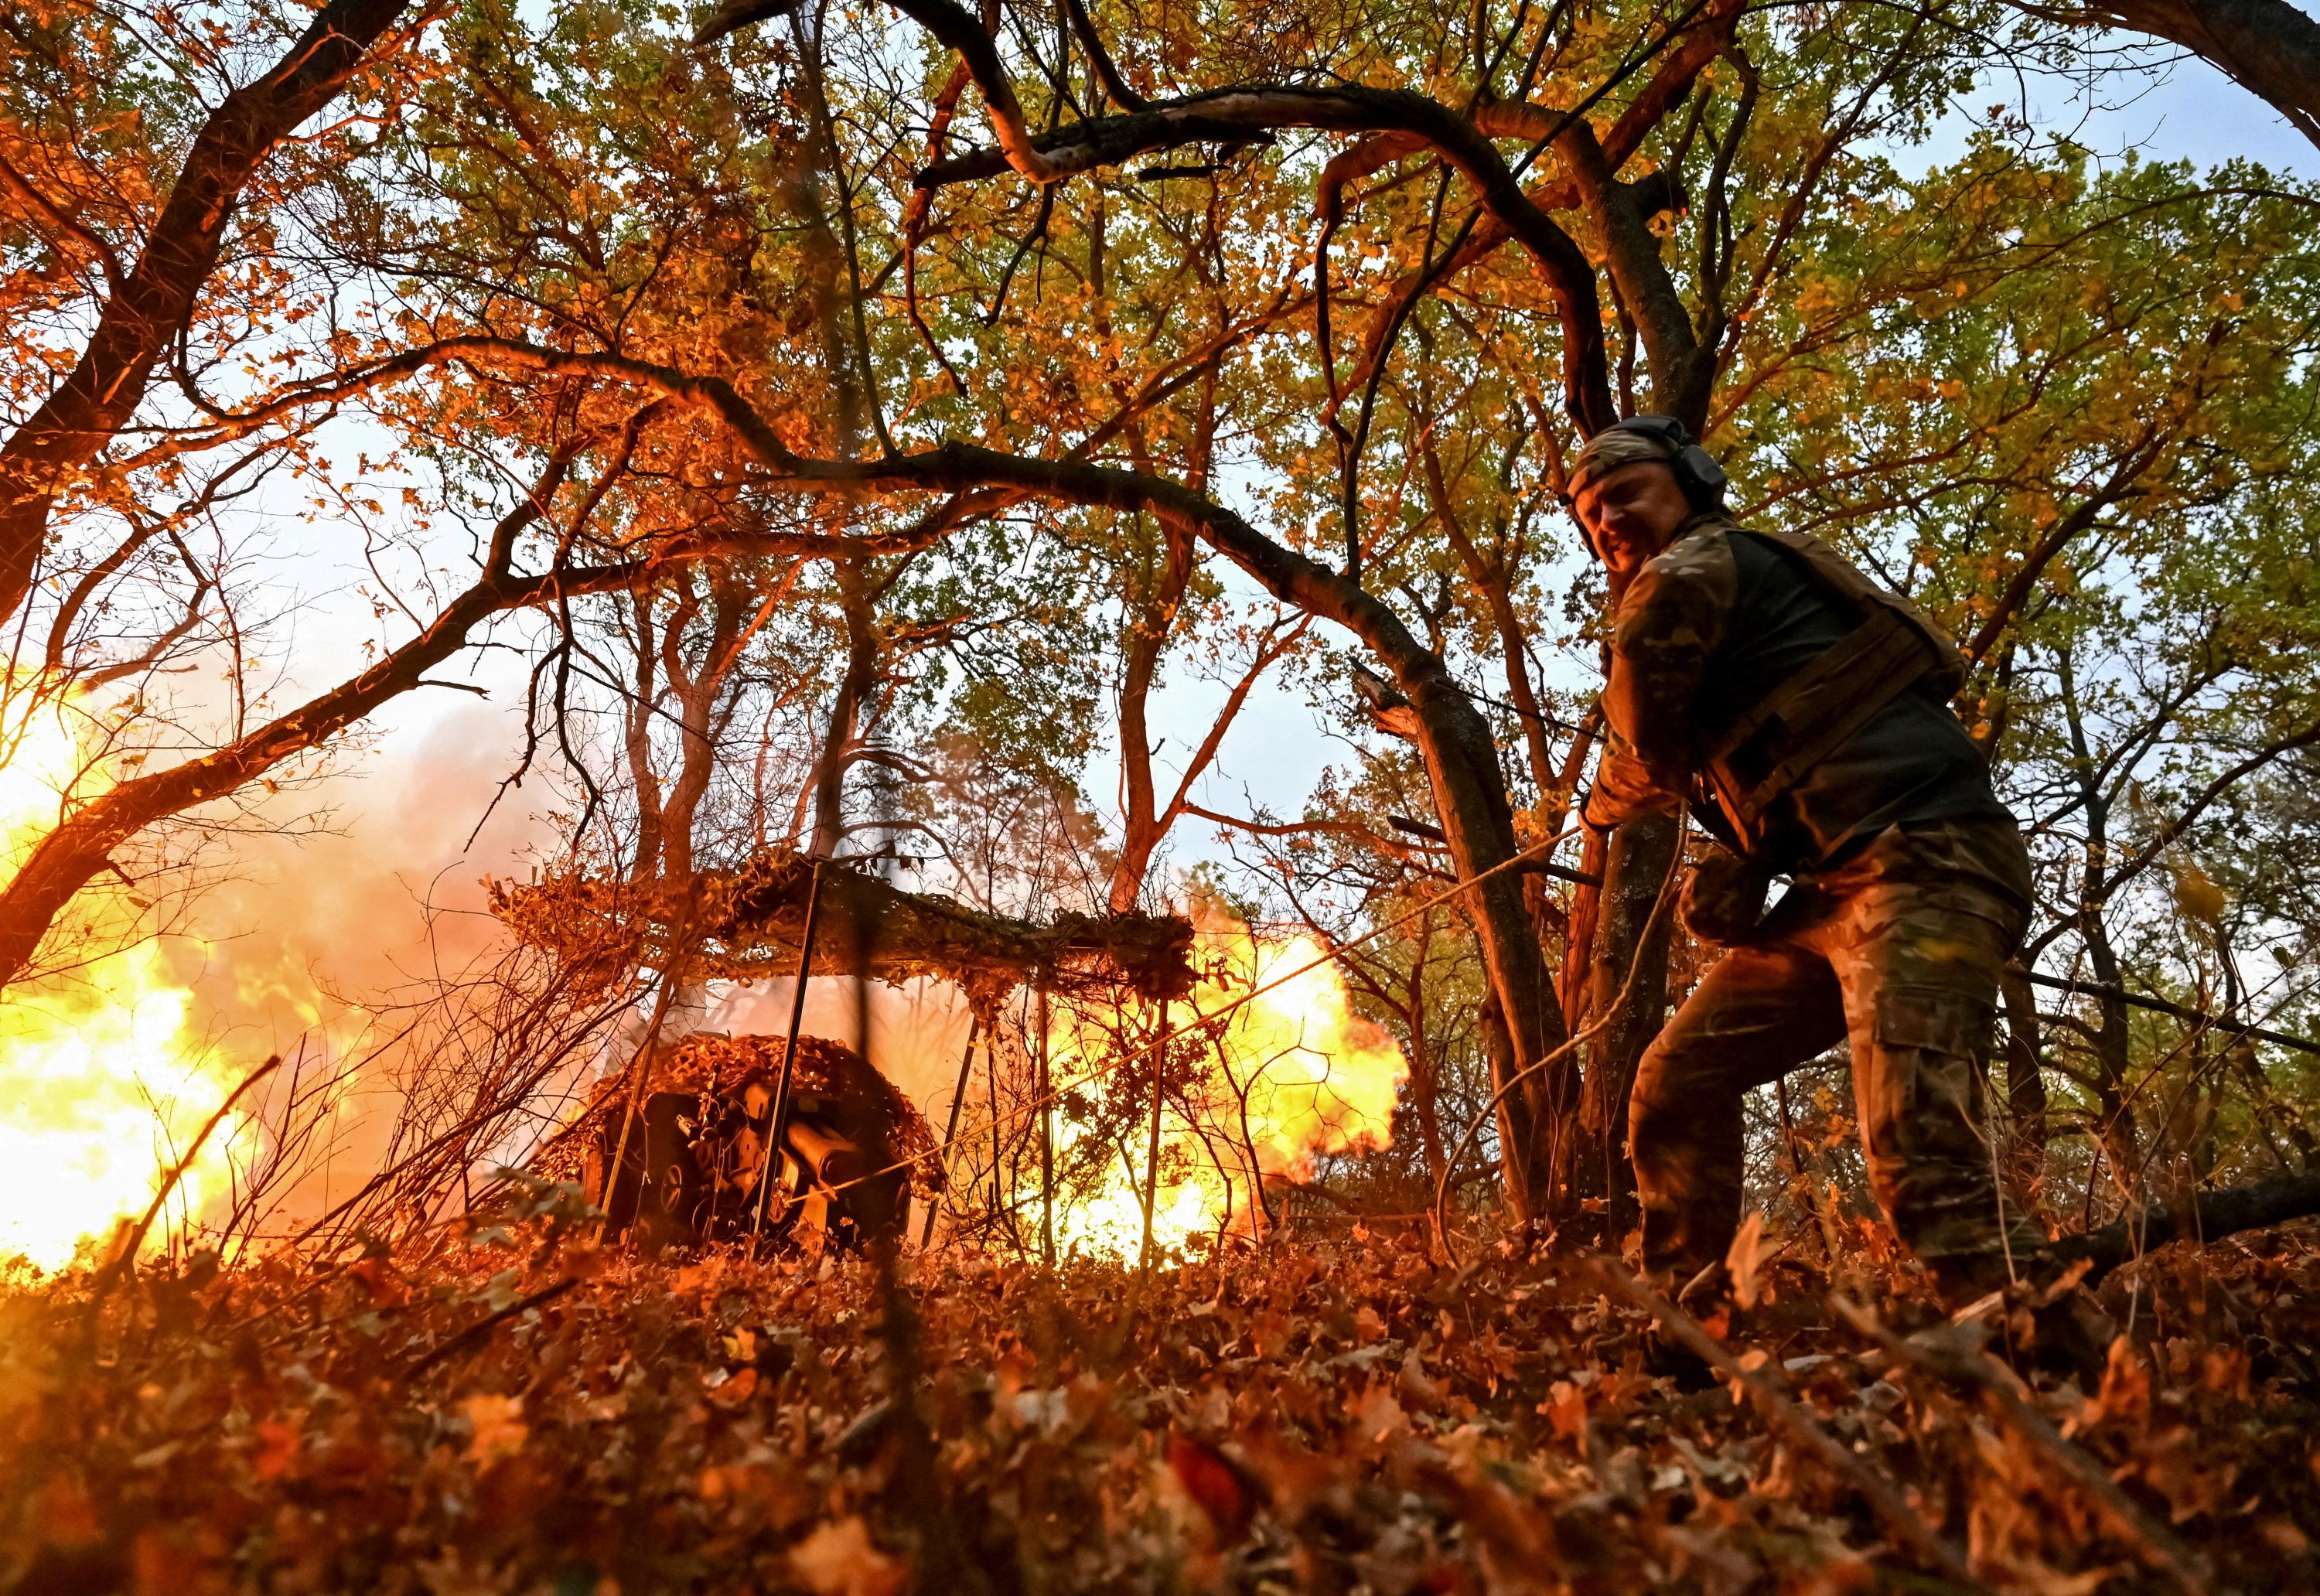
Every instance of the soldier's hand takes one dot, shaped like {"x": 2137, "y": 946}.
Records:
{"x": 1724, "y": 900}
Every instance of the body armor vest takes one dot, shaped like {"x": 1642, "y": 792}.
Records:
{"x": 1893, "y": 648}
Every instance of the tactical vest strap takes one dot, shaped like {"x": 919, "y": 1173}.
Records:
{"x": 1808, "y": 716}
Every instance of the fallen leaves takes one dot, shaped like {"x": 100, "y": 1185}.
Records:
{"x": 838, "y": 1560}
{"x": 1317, "y": 1417}
{"x": 1747, "y": 1255}
{"x": 496, "y": 1427}
{"x": 1223, "y": 1490}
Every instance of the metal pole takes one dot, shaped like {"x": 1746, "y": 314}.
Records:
{"x": 998, "y": 1153}
{"x": 777, "y": 1116}
{"x": 951, "y": 1131}
{"x": 1151, "y": 1163}
{"x": 1046, "y": 1147}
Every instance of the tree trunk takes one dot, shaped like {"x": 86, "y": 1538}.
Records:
{"x": 1470, "y": 796}
{"x": 1631, "y": 960}
{"x": 1425, "y": 1104}
{"x": 1578, "y": 940}
{"x": 2116, "y": 1128}
{"x": 839, "y": 746}
{"x": 1149, "y": 624}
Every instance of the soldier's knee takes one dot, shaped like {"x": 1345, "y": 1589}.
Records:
{"x": 1656, "y": 1132}
{"x": 1677, "y": 1068}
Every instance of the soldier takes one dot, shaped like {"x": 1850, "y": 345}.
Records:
{"x": 1801, "y": 709}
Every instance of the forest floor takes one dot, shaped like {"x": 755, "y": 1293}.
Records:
{"x": 520, "y": 1412}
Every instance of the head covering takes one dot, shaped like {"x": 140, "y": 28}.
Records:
{"x": 1612, "y": 447}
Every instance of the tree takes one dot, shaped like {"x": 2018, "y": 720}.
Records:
{"x": 2270, "y": 47}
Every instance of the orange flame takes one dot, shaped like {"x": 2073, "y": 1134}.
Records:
{"x": 97, "y": 1087}
{"x": 1294, "y": 1073}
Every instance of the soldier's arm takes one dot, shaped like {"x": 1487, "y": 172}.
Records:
{"x": 1670, "y": 618}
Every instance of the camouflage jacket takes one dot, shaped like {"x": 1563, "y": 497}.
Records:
{"x": 1704, "y": 630}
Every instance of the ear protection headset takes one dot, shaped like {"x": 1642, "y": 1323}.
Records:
{"x": 1696, "y": 471}
{"x": 1702, "y": 480}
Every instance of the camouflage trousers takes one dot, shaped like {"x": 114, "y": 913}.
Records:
{"x": 1899, "y": 949}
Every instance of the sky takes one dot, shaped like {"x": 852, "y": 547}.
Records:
{"x": 343, "y": 907}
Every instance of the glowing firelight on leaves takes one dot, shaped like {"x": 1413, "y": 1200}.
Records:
{"x": 96, "y": 1094}
{"x": 1291, "y": 1075}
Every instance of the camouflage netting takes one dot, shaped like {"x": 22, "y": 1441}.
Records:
{"x": 711, "y": 1064}
{"x": 745, "y": 925}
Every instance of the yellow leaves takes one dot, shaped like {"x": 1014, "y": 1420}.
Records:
{"x": 1747, "y": 1255}
{"x": 2197, "y": 894}
{"x": 1813, "y": 299}
{"x": 840, "y": 1560}
{"x": 496, "y": 1427}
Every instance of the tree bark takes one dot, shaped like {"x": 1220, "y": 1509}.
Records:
{"x": 1586, "y": 913}
{"x": 1149, "y": 624}
{"x": 1630, "y": 959}
{"x": 2268, "y": 47}
{"x": 2206, "y": 1215}
{"x": 839, "y": 745}
{"x": 2117, "y": 1128}
{"x": 2025, "y": 1083}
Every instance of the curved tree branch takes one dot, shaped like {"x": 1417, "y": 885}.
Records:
{"x": 144, "y": 316}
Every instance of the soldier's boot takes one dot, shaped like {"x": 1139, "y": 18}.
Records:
{"x": 2046, "y": 1321}
{"x": 1703, "y": 1293}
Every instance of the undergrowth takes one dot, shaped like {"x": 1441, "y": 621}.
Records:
{"x": 509, "y": 1409}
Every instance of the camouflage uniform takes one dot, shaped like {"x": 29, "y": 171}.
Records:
{"x": 1912, "y": 888}
{"x": 1899, "y": 947}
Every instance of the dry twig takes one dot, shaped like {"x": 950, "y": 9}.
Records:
{"x": 125, "y": 1258}
{"x": 483, "y": 1327}
{"x": 1878, "y": 1492}
{"x": 1945, "y": 1359}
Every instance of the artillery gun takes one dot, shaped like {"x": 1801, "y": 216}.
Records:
{"x": 853, "y": 1148}
{"x": 689, "y": 1173}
